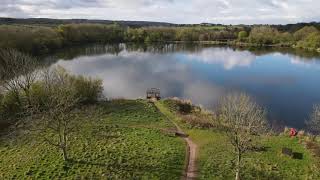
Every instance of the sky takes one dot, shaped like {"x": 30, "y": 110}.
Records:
{"x": 173, "y": 11}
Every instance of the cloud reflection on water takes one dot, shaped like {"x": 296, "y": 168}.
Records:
{"x": 225, "y": 56}
{"x": 129, "y": 74}
{"x": 204, "y": 74}
{"x": 308, "y": 63}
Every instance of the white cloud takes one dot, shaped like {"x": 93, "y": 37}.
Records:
{"x": 176, "y": 11}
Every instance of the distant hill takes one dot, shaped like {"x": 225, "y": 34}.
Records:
{"x": 54, "y": 22}
{"x": 50, "y": 22}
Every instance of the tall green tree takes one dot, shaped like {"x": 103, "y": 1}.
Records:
{"x": 242, "y": 35}
{"x": 304, "y": 32}
{"x": 264, "y": 35}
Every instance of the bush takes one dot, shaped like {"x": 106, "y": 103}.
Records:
{"x": 304, "y": 32}
{"x": 286, "y": 38}
{"x": 184, "y": 107}
{"x": 198, "y": 122}
{"x": 136, "y": 35}
{"x": 187, "y": 34}
{"x": 51, "y": 85}
{"x": 312, "y": 41}
{"x": 242, "y": 35}
{"x": 88, "y": 90}
{"x": 10, "y": 107}
{"x": 39, "y": 95}
{"x": 82, "y": 89}
{"x": 264, "y": 35}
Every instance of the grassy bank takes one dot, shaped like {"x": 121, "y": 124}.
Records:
{"x": 121, "y": 139}
{"x": 216, "y": 158}
{"x": 131, "y": 139}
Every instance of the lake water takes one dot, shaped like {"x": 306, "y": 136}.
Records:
{"x": 286, "y": 82}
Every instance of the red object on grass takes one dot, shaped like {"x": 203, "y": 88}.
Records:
{"x": 293, "y": 132}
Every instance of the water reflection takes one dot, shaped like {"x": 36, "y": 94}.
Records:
{"x": 308, "y": 63}
{"x": 203, "y": 74}
{"x": 129, "y": 74}
{"x": 225, "y": 56}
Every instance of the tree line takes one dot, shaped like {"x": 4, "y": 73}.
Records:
{"x": 43, "y": 39}
{"x": 307, "y": 37}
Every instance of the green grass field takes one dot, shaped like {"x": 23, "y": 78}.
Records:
{"x": 216, "y": 158}
{"x": 122, "y": 139}
{"x": 131, "y": 139}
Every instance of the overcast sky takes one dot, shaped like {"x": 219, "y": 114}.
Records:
{"x": 174, "y": 11}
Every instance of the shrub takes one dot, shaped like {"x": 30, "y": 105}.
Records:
{"x": 39, "y": 95}
{"x": 304, "y": 32}
{"x": 184, "y": 107}
{"x": 187, "y": 34}
{"x": 312, "y": 41}
{"x": 242, "y": 35}
{"x": 88, "y": 90}
{"x": 10, "y": 107}
{"x": 198, "y": 122}
{"x": 85, "y": 90}
{"x": 264, "y": 35}
{"x": 135, "y": 35}
{"x": 43, "y": 92}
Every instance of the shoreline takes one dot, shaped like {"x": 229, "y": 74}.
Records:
{"x": 234, "y": 43}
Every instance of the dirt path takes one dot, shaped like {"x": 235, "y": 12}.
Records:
{"x": 191, "y": 168}
{"x": 191, "y": 172}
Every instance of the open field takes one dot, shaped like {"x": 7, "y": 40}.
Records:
{"x": 121, "y": 139}
{"x": 131, "y": 139}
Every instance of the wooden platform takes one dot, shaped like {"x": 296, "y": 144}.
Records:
{"x": 153, "y": 93}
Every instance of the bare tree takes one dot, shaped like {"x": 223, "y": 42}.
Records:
{"x": 58, "y": 118}
{"x": 242, "y": 119}
{"x": 313, "y": 124}
{"x": 17, "y": 72}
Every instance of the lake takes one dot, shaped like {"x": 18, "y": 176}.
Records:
{"x": 286, "y": 82}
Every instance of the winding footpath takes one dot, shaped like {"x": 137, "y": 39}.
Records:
{"x": 191, "y": 168}
{"x": 191, "y": 172}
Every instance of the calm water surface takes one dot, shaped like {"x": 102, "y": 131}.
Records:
{"x": 286, "y": 83}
